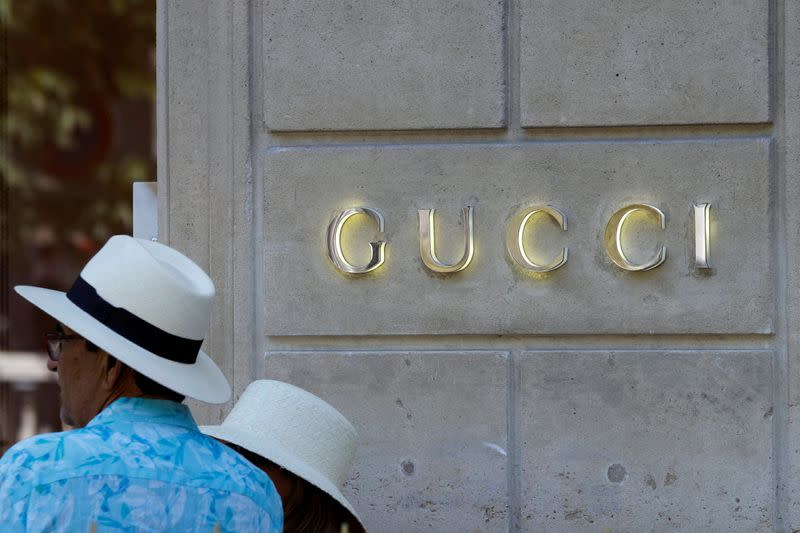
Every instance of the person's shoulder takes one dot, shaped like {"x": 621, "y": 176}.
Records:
{"x": 240, "y": 471}
{"x": 21, "y": 464}
{"x": 52, "y": 451}
{"x": 228, "y": 461}
{"x": 257, "y": 485}
{"x": 33, "y": 449}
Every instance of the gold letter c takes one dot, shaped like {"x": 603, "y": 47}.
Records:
{"x": 613, "y": 238}
{"x": 514, "y": 241}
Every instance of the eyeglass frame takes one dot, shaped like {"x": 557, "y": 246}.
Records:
{"x": 53, "y": 341}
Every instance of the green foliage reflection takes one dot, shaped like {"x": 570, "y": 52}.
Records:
{"x": 79, "y": 89}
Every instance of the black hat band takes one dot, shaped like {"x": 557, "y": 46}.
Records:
{"x": 138, "y": 331}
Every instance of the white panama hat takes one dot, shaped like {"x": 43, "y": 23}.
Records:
{"x": 147, "y": 305}
{"x": 295, "y": 430}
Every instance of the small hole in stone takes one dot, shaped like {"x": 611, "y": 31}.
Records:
{"x": 408, "y": 467}
{"x": 616, "y": 473}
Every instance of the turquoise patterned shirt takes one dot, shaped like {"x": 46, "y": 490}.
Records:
{"x": 139, "y": 465}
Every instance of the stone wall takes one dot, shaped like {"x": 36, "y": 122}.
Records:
{"x": 586, "y": 398}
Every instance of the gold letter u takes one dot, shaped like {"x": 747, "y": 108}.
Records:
{"x": 427, "y": 242}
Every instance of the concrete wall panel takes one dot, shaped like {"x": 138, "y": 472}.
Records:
{"x": 378, "y": 65}
{"x": 662, "y": 441}
{"x": 432, "y": 433}
{"x": 657, "y": 401}
{"x": 306, "y": 188}
{"x": 612, "y": 62}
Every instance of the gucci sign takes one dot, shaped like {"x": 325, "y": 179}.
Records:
{"x": 515, "y": 245}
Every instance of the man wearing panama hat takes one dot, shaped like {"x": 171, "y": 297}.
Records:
{"x": 127, "y": 350}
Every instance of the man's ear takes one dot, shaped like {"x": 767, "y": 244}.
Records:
{"x": 113, "y": 370}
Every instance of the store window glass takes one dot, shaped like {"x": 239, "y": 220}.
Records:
{"x": 77, "y": 104}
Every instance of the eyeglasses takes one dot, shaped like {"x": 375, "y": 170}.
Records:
{"x": 53, "y": 342}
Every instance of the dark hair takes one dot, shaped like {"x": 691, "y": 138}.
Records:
{"x": 145, "y": 384}
{"x": 153, "y": 388}
{"x": 314, "y": 510}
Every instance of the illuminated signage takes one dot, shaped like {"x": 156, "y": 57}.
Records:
{"x": 515, "y": 246}
{"x": 334, "y": 239}
{"x": 515, "y": 243}
{"x": 613, "y": 238}
{"x": 427, "y": 242}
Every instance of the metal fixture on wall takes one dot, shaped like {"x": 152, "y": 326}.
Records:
{"x": 334, "y": 240}
{"x": 427, "y": 242}
{"x": 515, "y": 242}
{"x": 613, "y": 238}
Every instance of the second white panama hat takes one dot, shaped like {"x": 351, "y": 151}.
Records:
{"x": 296, "y": 430}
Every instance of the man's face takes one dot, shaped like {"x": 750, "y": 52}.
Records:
{"x": 80, "y": 376}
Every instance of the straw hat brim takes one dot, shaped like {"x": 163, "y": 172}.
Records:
{"x": 282, "y": 457}
{"x": 202, "y": 380}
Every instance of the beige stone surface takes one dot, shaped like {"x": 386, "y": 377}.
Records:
{"x": 203, "y": 158}
{"x": 612, "y": 62}
{"x": 383, "y": 65}
{"x": 432, "y": 433}
{"x": 306, "y": 188}
{"x": 665, "y": 441}
{"x": 787, "y": 159}
{"x": 649, "y": 403}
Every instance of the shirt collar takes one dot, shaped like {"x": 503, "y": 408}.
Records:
{"x": 146, "y": 410}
